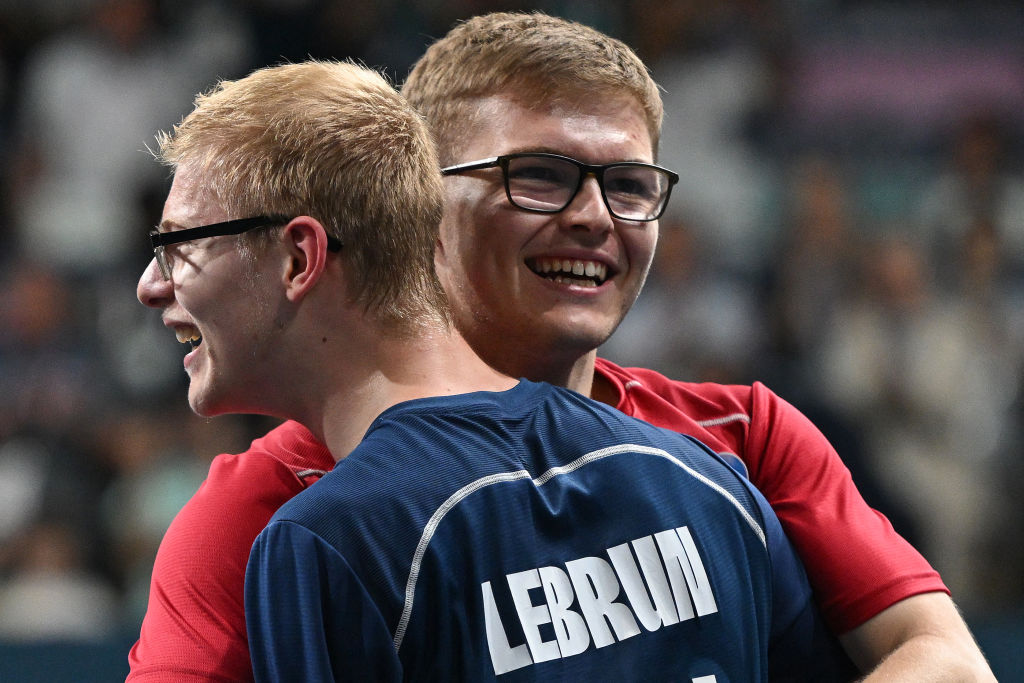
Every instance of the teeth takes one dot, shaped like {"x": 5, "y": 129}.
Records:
{"x": 579, "y": 268}
{"x": 187, "y": 336}
{"x": 572, "y": 281}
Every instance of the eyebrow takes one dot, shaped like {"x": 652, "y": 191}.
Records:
{"x": 535, "y": 148}
{"x": 561, "y": 152}
{"x": 167, "y": 225}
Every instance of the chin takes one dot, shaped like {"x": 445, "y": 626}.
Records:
{"x": 208, "y": 401}
{"x": 580, "y": 332}
{"x": 200, "y": 408}
{"x": 203, "y": 402}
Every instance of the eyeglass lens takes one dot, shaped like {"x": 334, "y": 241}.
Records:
{"x": 541, "y": 183}
{"x": 161, "y": 262}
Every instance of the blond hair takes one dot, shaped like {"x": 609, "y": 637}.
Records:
{"x": 334, "y": 141}
{"x": 535, "y": 58}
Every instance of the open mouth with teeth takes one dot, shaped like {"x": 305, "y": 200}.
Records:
{"x": 570, "y": 271}
{"x": 189, "y": 336}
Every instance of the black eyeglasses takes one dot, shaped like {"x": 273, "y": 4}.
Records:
{"x": 233, "y": 227}
{"x": 547, "y": 183}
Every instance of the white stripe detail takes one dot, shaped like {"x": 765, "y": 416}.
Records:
{"x": 740, "y": 417}
{"x": 428, "y": 532}
{"x": 458, "y": 496}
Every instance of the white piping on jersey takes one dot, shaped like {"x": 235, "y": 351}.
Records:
{"x": 302, "y": 474}
{"x": 458, "y": 496}
{"x": 740, "y": 417}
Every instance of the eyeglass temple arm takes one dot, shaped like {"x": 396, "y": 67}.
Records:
{"x": 163, "y": 239}
{"x": 470, "y": 166}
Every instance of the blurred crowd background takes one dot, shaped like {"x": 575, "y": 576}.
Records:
{"x": 848, "y": 229}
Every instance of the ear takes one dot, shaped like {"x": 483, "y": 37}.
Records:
{"x": 440, "y": 256}
{"x": 305, "y": 241}
{"x": 440, "y": 252}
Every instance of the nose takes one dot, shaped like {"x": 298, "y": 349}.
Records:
{"x": 588, "y": 210}
{"x": 153, "y": 290}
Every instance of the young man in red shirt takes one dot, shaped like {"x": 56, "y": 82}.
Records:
{"x": 535, "y": 289}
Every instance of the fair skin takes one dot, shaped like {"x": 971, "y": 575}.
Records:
{"x": 491, "y": 252}
{"x": 531, "y": 326}
{"x": 256, "y": 319}
{"x": 230, "y": 336}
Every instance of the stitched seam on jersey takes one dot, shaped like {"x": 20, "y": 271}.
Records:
{"x": 634, "y": 448}
{"x": 455, "y": 498}
{"x": 741, "y": 417}
{"x": 428, "y": 533}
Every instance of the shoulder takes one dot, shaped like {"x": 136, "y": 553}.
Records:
{"x": 243, "y": 490}
{"x": 293, "y": 447}
{"x": 707, "y": 403}
{"x": 751, "y": 422}
{"x": 700, "y": 400}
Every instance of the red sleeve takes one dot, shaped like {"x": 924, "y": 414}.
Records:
{"x": 194, "y": 628}
{"x": 857, "y": 563}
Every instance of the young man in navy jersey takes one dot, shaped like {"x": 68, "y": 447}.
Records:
{"x": 496, "y": 86}
{"x": 476, "y": 525}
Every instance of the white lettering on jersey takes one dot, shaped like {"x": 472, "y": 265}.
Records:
{"x": 570, "y": 628}
{"x": 531, "y": 616}
{"x": 504, "y": 657}
{"x": 680, "y": 555}
{"x": 596, "y": 589}
{"x": 663, "y": 609}
{"x": 595, "y": 586}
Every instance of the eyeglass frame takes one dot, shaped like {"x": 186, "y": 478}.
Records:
{"x": 236, "y": 226}
{"x": 596, "y": 170}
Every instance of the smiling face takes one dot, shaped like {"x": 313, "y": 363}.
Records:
{"x": 217, "y": 301}
{"x": 536, "y": 293}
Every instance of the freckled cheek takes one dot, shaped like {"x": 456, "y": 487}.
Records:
{"x": 483, "y": 251}
{"x": 639, "y": 253}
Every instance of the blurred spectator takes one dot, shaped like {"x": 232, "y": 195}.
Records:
{"x": 23, "y": 473}
{"x": 92, "y": 97}
{"x": 715, "y": 62}
{"x": 814, "y": 268}
{"x": 48, "y": 366}
{"x": 159, "y": 455}
{"x": 50, "y": 594}
{"x": 931, "y": 378}
{"x": 977, "y": 186}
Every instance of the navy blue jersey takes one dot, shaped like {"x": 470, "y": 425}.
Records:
{"x": 532, "y": 534}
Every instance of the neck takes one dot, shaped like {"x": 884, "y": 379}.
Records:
{"x": 393, "y": 371}
{"x": 579, "y": 376}
{"x": 576, "y": 373}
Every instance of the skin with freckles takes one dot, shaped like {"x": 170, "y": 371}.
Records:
{"x": 209, "y": 280}
{"x": 490, "y": 250}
